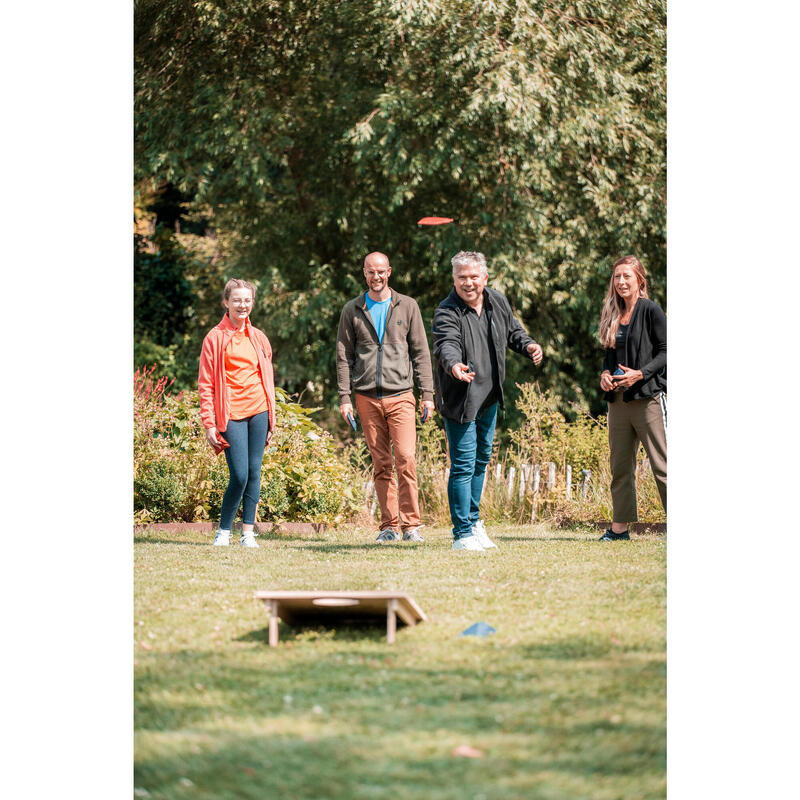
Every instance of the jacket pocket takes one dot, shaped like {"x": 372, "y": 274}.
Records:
{"x": 396, "y": 370}
{"x": 453, "y": 392}
{"x": 363, "y": 373}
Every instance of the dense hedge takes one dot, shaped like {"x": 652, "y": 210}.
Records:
{"x": 306, "y": 477}
{"x": 178, "y": 478}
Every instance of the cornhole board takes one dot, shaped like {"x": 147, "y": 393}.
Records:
{"x": 294, "y": 607}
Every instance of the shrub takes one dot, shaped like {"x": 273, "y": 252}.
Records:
{"x": 158, "y": 488}
{"x": 432, "y": 461}
{"x": 178, "y": 478}
{"x": 275, "y": 500}
{"x": 214, "y": 486}
{"x": 545, "y": 436}
{"x": 304, "y": 476}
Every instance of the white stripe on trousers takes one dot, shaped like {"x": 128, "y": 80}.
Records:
{"x": 662, "y": 401}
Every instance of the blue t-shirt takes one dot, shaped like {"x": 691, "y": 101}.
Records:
{"x": 378, "y": 311}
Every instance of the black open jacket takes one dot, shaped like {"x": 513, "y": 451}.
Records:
{"x": 453, "y": 343}
{"x": 645, "y": 349}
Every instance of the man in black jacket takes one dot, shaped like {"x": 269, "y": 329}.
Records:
{"x": 472, "y": 327}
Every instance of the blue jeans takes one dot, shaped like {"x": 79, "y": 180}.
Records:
{"x": 247, "y": 439}
{"x": 470, "y": 447}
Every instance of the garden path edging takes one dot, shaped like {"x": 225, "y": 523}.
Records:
{"x": 309, "y": 528}
{"x": 209, "y": 527}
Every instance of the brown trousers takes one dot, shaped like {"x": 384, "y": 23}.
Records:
{"x": 386, "y": 422}
{"x": 629, "y": 423}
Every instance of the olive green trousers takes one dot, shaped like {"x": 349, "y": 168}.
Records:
{"x": 629, "y": 423}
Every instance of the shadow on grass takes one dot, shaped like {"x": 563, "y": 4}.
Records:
{"x": 502, "y": 538}
{"x": 158, "y": 540}
{"x": 575, "y": 538}
{"x": 283, "y": 537}
{"x": 333, "y": 630}
{"x": 316, "y": 725}
{"x": 374, "y": 630}
{"x": 184, "y": 689}
{"x": 313, "y": 767}
{"x": 589, "y": 648}
{"x": 333, "y": 548}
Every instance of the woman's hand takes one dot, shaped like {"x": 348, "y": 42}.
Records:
{"x": 211, "y": 438}
{"x": 606, "y": 384}
{"x": 630, "y": 377}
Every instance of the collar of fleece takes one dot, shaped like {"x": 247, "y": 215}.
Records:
{"x": 227, "y": 325}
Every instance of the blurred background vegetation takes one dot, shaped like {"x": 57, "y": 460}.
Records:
{"x": 282, "y": 140}
{"x": 309, "y": 476}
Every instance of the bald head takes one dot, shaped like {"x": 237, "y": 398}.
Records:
{"x": 376, "y": 260}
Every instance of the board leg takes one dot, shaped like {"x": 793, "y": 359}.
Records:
{"x": 273, "y": 623}
{"x": 391, "y": 620}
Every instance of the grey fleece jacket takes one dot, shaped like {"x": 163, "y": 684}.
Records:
{"x": 382, "y": 369}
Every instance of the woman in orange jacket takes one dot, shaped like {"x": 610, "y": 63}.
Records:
{"x": 237, "y": 404}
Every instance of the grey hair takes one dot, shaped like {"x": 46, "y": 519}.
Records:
{"x": 466, "y": 257}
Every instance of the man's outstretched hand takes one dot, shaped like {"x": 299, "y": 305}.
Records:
{"x": 535, "y": 352}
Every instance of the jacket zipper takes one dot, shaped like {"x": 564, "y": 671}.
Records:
{"x": 378, "y": 381}
{"x": 464, "y": 407}
{"x": 264, "y": 380}
{"x": 379, "y": 366}
{"x": 629, "y": 346}
{"x": 497, "y": 358}
{"x": 466, "y": 394}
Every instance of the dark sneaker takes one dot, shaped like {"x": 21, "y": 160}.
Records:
{"x": 412, "y": 535}
{"x": 610, "y": 536}
{"x": 388, "y": 535}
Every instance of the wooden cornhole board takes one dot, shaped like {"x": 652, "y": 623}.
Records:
{"x": 294, "y": 607}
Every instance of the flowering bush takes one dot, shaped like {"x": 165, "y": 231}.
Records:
{"x": 178, "y": 478}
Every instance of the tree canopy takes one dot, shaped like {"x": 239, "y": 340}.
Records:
{"x": 309, "y": 133}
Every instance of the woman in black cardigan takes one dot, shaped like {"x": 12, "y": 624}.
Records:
{"x": 633, "y": 329}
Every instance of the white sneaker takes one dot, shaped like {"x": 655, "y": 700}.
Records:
{"x": 467, "y": 543}
{"x": 249, "y": 540}
{"x": 413, "y": 535}
{"x": 479, "y": 530}
{"x": 222, "y": 539}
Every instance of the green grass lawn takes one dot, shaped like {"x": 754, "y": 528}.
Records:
{"x": 567, "y": 700}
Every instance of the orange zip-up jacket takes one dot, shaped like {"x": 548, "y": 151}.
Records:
{"x": 212, "y": 385}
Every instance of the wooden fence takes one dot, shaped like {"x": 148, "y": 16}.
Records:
{"x": 518, "y": 482}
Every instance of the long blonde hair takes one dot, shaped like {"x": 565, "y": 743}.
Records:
{"x": 613, "y": 306}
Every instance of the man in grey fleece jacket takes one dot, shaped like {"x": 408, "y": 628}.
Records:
{"x": 381, "y": 352}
